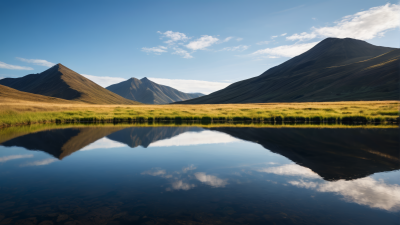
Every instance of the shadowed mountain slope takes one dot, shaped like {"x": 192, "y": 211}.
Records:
{"x": 333, "y": 70}
{"x": 8, "y": 94}
{"x": 61, "y": 82}
{"x": 144, "y": 136}
{"x": 148, "y": 92}
{"x": 331, "y": 153}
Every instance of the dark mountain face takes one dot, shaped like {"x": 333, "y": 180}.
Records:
{"x": 333, "y": 70}
{"x": 331, "y": 153}
{"x": 148, "y": 92}
{"x": 61, "y": 82}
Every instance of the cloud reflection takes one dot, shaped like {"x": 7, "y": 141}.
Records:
{"x": 40, "y": 162}
{"x": 210, "y": 180}
{"x": 103, "y": 143}
{"x": 180, "y": 180}
{"x": 290, "y": 170}
{"x": 196, "y": 138}
{"x": 11, "y": 157}
{"x": 364, "y": 191}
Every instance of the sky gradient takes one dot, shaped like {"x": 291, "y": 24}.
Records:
{"x": 194, "y": 46}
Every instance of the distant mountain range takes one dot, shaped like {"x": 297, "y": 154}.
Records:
{"x": 333, "y": 70}
{"x": 61, "y": 82}
{"x": 146, "y": 91}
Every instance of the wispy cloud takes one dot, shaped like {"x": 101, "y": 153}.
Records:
{"x": 364, "y": 25}
{"x": 284, "y": 34}
{"x": 227, "y": 39}
{"x": 104, "y": 81}
{"x": 211, "y": 180}
{"x": 39, "y": 62}
{"x": 12, "y": 157}
{"x": 156, "y": 50}
{"x": 185, "y": 54}
{"x": 238, "y": 48}
{"x": 173, "y": 36}
{"x": 275, "y": 36}
{"x": 202, "y": 43}
{"x": 239, "y": 39}
{"x": 40, "y": 162}
{"x": 191, "y": 86}
{"x": 262, "y": 42}
{"x": 4, "y": 65}
{"x": 285, "y": 50}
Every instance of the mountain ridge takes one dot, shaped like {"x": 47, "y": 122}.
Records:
{"x": 62, "y": 82}
{"x": 333, "y": 70}
{"x": 149, "y": 92}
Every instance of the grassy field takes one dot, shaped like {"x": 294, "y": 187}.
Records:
{"x": 24, "y": 112}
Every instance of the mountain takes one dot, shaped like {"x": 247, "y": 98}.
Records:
{"x": 61, "y": 142}
{"x": 144, "y": 136}
{"x": 146, "y": 91}
{"x": 333, "y": 154}
{"x": 333, "y": 70}
{"x": 61, "y": 82}
{"x": 8, "y": 94}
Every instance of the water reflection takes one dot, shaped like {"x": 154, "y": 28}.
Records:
{"x": 226, "y": 175}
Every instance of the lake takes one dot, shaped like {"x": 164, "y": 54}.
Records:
{"x": 200, "y": 175}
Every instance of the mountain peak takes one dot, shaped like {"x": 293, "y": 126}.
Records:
{"x": 144, "y": 79}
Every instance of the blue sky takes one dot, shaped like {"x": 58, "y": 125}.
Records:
{"x": 194, "y": 46}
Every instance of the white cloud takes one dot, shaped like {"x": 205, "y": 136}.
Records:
{"x": 156, "y": 50}
{"x": 174, "y": 36}
{"x": 272, "y": 37}
{"x": 191, "y": 86}
{"x": 40, "y": 162}
{"x": 285, "y": 50}
{"x": 364, "y": 25}
{"x": 284, "y": 34}
{"x": 210, "y": 180}
{"x": 104, "y": 81}
{"x": 239, "y": 39}
{"x": 12, "y": 157}
{"x": 196, "y": 138}
{"x": 202, "y": 43}
{"x": 227, "y": 39}
{"x": 364, "y": 191}
{"x": 103, "y": 143}
{"x": 262, "y": 43}
{"x": 13, "y": 67}
{"x": 239, "y": 48}
{"x": 290, "y": 170}
{"x": 183, "y": 53}
{"x": 39, "y": 62}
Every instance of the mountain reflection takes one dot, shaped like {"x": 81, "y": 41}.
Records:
{"x": 332, "y": 154}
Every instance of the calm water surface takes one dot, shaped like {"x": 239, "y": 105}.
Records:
{"x": 192, "y": 175}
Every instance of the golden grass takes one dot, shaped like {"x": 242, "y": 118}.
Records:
{"x": 22, "y": 112}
